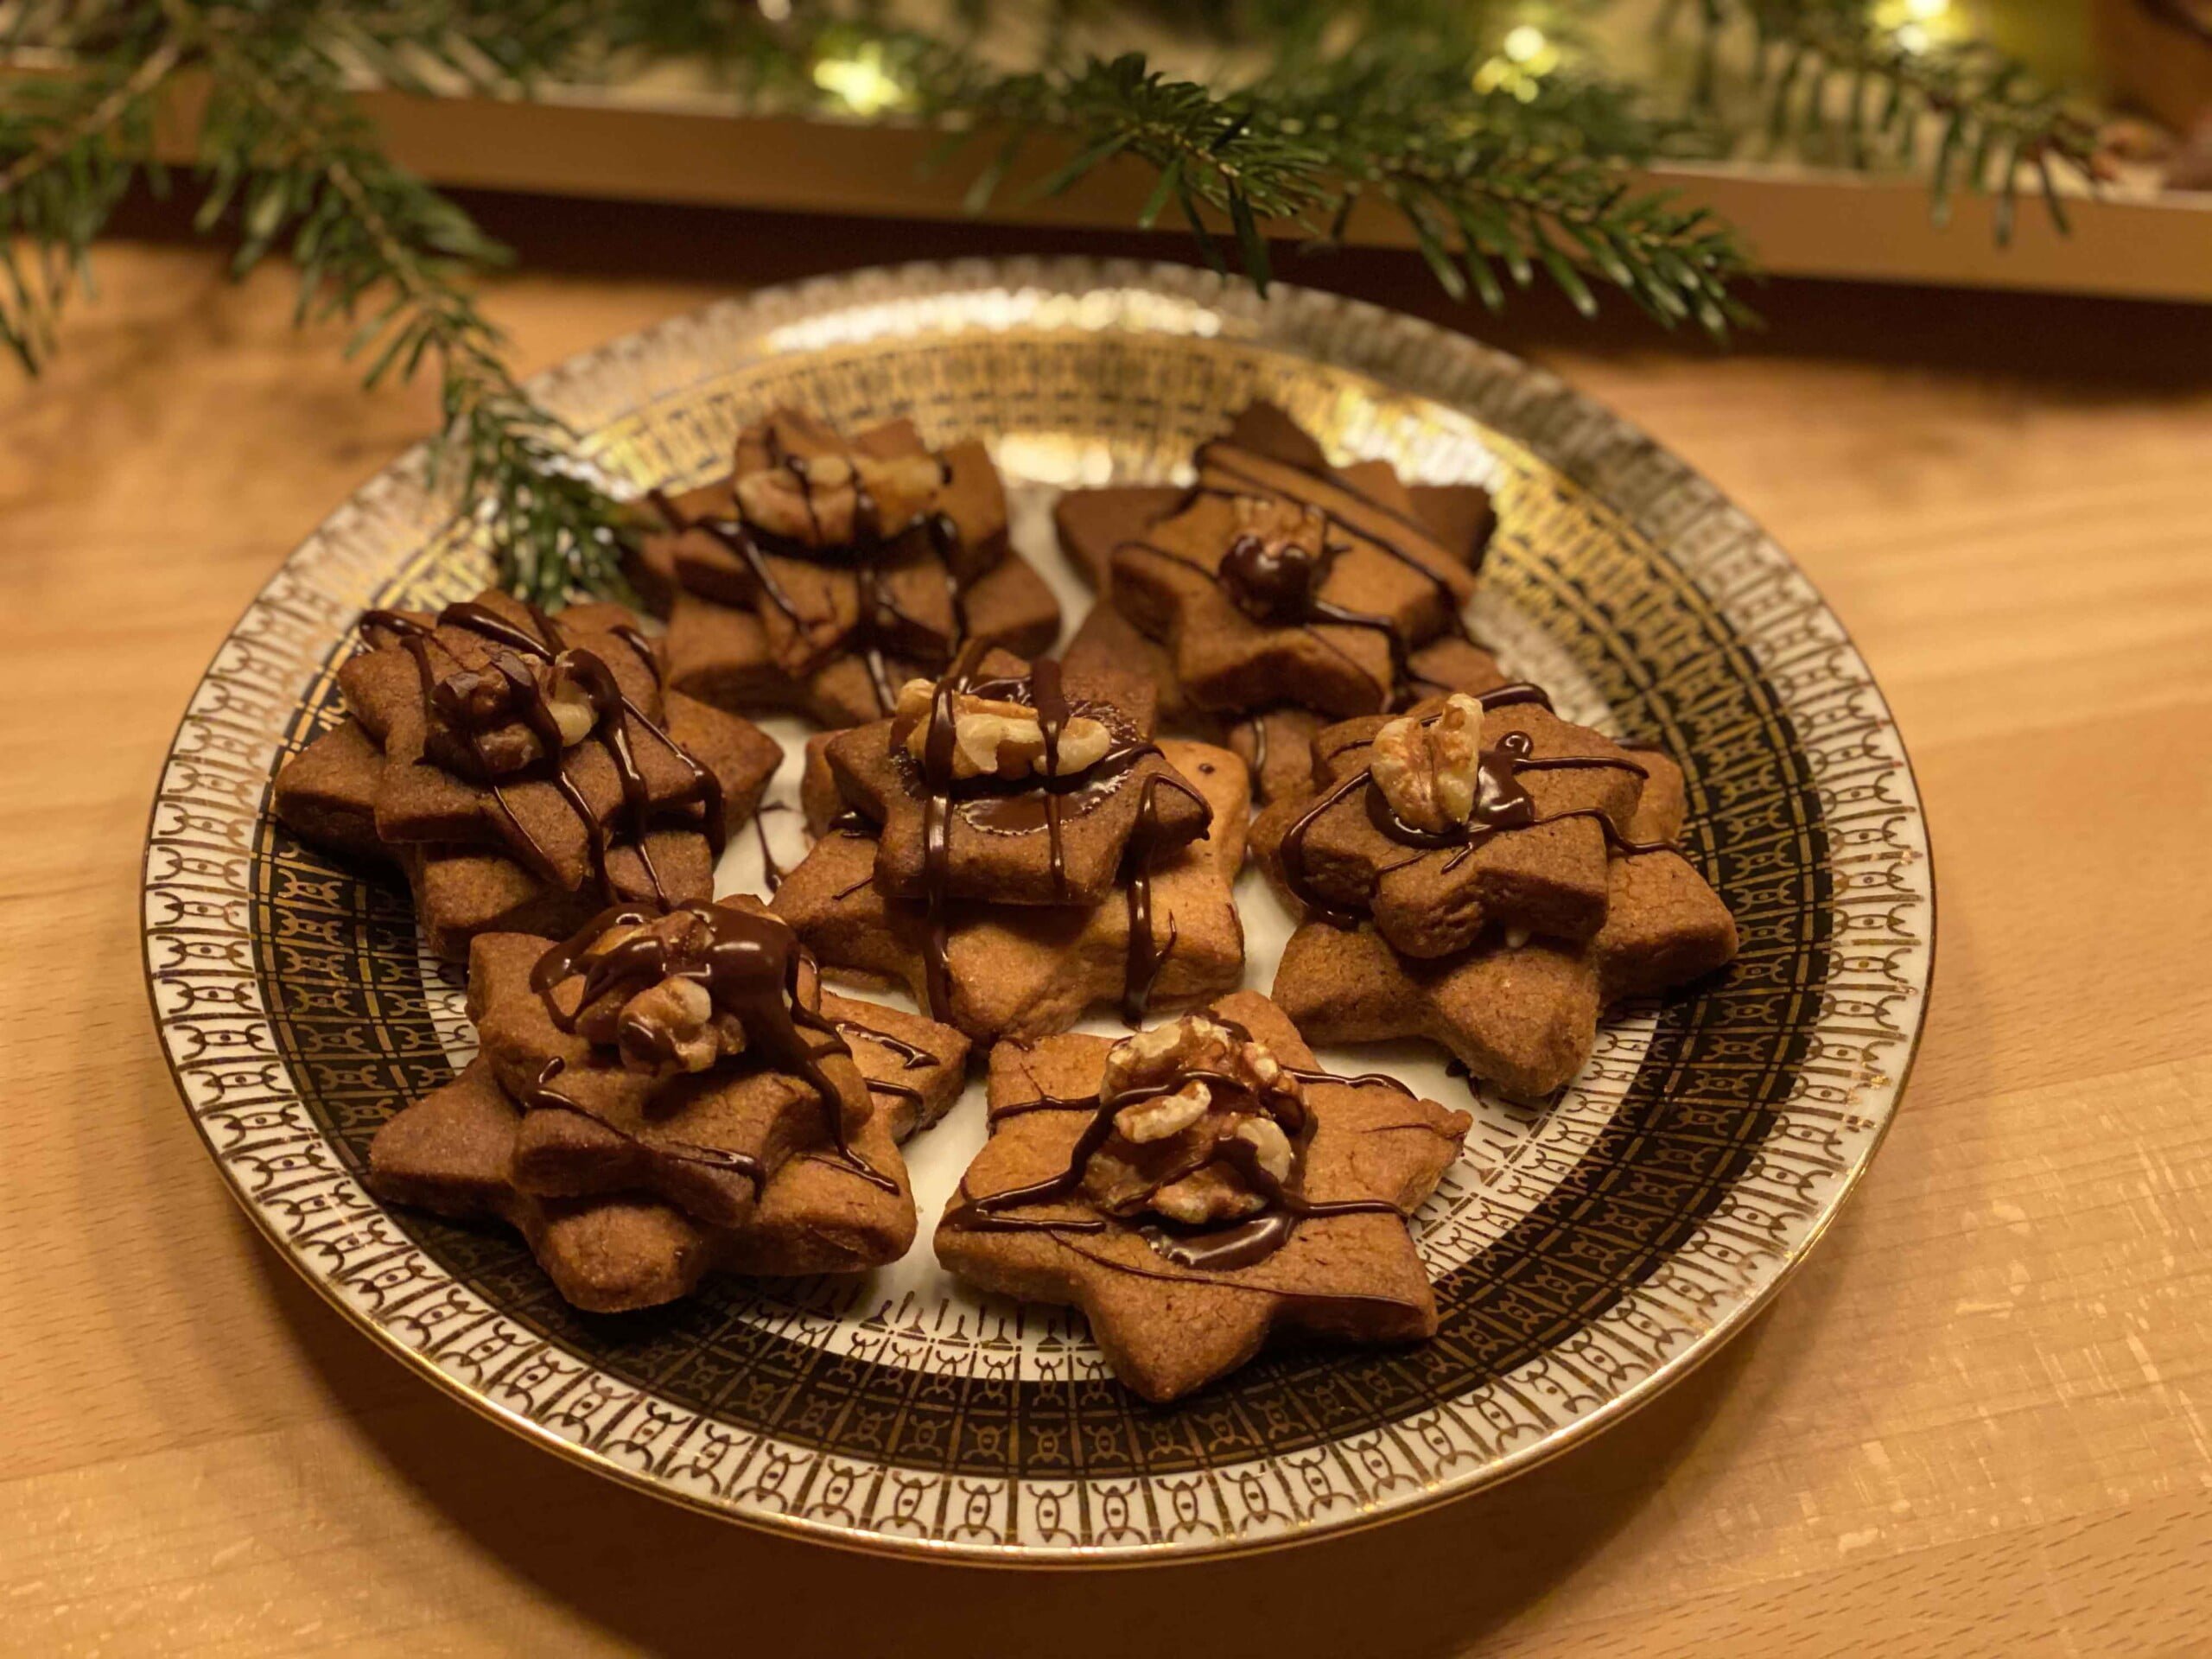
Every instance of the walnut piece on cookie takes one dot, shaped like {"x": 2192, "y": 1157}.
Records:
{"x": 1198, "y": 1187}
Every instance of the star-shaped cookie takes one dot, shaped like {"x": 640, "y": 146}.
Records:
{"x": 702, "y": 1129}
{"x": 453, "y": 1151}
{"x": 824, "y": 573}
{"x": 1524, "y": 1016}
{"x": 1092, "y": 523}
{"x": 1280, "y": 578}
{"x": 1065, "y": 1204}
{"x": 1007, "y": 832}
{"x": 523, "y": 769}
{"x": 629, "y": 1185}
{"x": 1525, "y": 852}
{"x": 1168, "y": 936}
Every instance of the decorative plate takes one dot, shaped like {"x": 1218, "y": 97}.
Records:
{"x": 1587, "y": 1253}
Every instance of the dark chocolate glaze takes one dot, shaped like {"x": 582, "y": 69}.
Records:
{"x": 1216, "y": 1248}
{"x": 1147, "y": 957}
{"x": 771, "y": 874}
{"x": 474, "y": 702}
{"x": 1258, "y": 727}
{"x": 749, "y": 964}
{"x": 1272, "y": 580}
{"x": 912, "y": 1056}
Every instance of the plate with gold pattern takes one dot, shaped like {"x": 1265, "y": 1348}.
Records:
{"x": 1587, "y": 1247}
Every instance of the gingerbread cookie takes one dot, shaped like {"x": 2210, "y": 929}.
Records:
{"x": 671, "y": 1092}
{"x": 1198, "y": 1187}
{"x": 1279, "y": 590}
{"x": 522, "y": 770}
{"x": 1461, "y": 817}
{"x": 986, "y": 943}
{"x": 823, "y": 574}
{"x": 1519, "y": 1005}
{"x": 1012, "y": 781}
{"x": 1091, "y": 522}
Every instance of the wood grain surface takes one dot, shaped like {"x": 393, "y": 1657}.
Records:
{"x": 1976, "y": 1423}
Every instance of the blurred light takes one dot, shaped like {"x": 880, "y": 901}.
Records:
{"x": 1524, "y": 57}
{"x": 860, "y": 82}
{"x": 1917, "y": 25}
{"x": 776, "y": 12}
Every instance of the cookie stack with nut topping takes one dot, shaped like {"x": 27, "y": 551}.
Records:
{"x": 823, "y": 573}
{"x": 668, "y": 1092}
{"x": 1279, "y": 590}
{"x": 1482, "y": 874}
{"x": 523, "y": 770}
{"x": 1012, "y": 845}
{"x": 1197, "y": 1187}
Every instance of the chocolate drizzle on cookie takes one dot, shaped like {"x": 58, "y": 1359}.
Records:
{"x": 911, "y": 1059}
{"x": 1147, "y": 956}
{"x": 1040, "y": 800}
{"x": 882, "y": 629}
{"x": 543, "y": 1097}
{"x": 1501, "y": 805}
{"x": 1276, "y": 579}
{"x": 1220, "y": 1246}
{"x": 749, "y": 964}
{"x": 517, "y": 682}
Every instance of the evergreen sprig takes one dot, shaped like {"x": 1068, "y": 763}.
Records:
{"x": 1380, "y": 106}
{"x": 1833, "y": 79}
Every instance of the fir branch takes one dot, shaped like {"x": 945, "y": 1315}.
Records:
{"x": 1829, "y": 73}
{"x": 73, "y": 147}
{"x": 376, "y": 246}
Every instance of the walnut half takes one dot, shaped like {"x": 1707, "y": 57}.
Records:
{"x": 1430, "y": 772}
{"x": 993, "y": 739}
{"x": 1158, "y": 1135}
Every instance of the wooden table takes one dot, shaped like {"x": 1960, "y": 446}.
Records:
{"x": 1980, "y": 1421}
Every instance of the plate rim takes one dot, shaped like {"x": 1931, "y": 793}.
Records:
{"x": 839, "y": 292}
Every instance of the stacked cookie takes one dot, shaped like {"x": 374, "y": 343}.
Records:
{"x": 671, "y": 1091}
{"x": 1280, "y": 591}
{"x": 821, "y": 575}
{"x": 1013, "y": 846}
{"x": 522, "y": 770}
{"x": 1482, "y": 874}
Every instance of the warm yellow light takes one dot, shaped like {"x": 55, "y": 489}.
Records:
{"x": 860, "y": 82}
{"x": 1927, "y": 11}
{"x": 1523, "y": 42}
